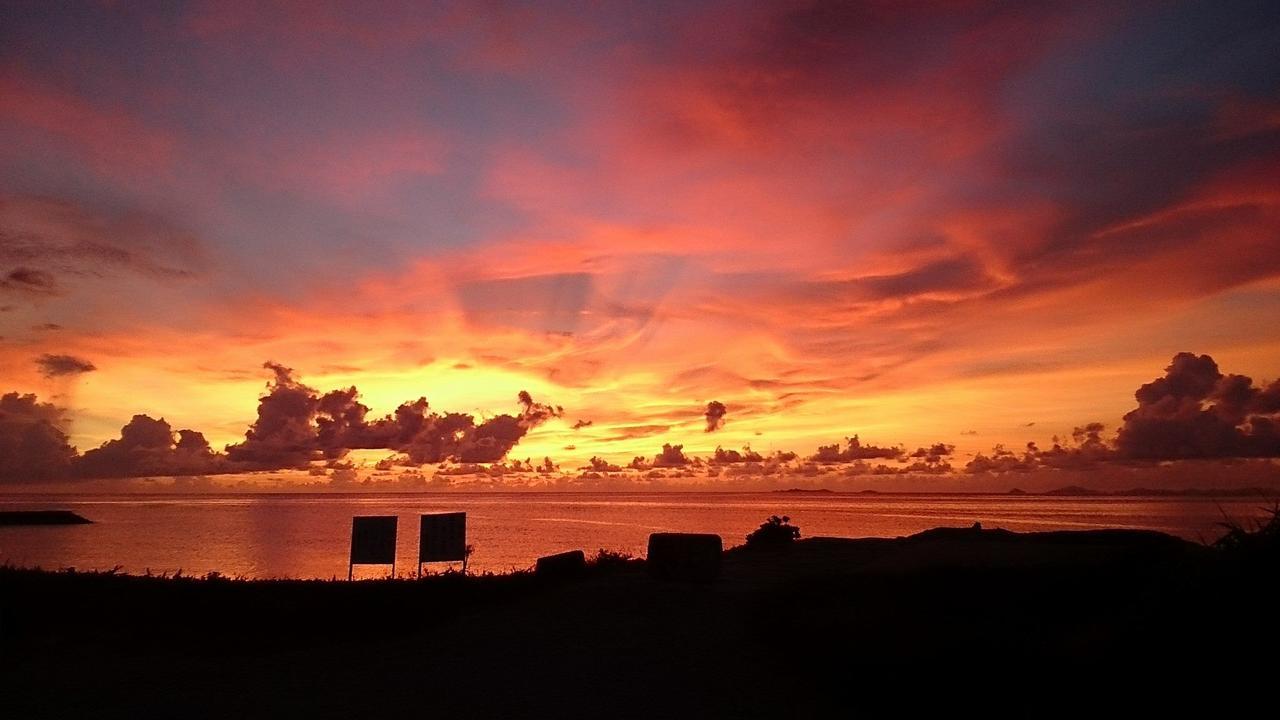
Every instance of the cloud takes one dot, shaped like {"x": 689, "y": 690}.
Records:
{"x": 723, "y": 456}
{"x": 671, "y": 456}
{"x": 29, "y": 281}
{"x": 46, "y": 237}
{"x": 715, "y": 415}
{"x": 934, "y": 453}
{"x": 1194, "y": 411}
{"x": 33, "y": 446}
{"x": 283, "y": 435}
{"x": 581, "y": 424}
{"x": 631, "y": 432}
{"x": 148, "y": 447}
{"x": 599, "y": 464}
{"x": 296, "y": 424}
{"x": 854, "y": 450}
{"x": 536, "y": 413}
{"x": 61, "y": 365}
{"x": 113, "y": 142}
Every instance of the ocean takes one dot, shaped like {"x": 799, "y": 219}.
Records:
{"x": 308, "y": 536}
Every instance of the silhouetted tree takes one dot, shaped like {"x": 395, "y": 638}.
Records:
{"x": 776, "y": 532}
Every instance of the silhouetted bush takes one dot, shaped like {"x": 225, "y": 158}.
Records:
{"x": 776, "y": 532}
{"x": 612, "y": 559}
{"x": 1262, "y": 541}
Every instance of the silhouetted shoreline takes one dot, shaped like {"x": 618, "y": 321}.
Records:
{"x": 41, "y": 517}
{"x": 778, "y": 630}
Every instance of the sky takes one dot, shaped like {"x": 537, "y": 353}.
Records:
{"x": 964, "y": 223}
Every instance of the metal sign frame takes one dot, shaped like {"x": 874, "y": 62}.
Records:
{"x": 442, "y": 537}
{"x": 372, "y": 536}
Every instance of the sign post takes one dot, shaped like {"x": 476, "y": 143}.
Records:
{"x": 443, "y": 538}
{"x": 373, "y": 542}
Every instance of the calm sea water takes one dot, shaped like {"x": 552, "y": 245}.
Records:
{"x": 307, "y": 536}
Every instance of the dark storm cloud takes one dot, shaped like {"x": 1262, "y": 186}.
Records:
{"x": 715, "y": 415}
{"x": 33, "y": 447}
{"x": 61, "y": 365}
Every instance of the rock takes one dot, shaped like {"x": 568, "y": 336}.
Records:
{"x": 561, "y": 565}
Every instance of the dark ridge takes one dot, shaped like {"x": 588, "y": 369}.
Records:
{"x": 778, "y": 635}
{"x": 41, "y": 517}
{"x": 823, "y": 491}
{"x": 1072, "y": 491}
{"x": 1076, "y": 491}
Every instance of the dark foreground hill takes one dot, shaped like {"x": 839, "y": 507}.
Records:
{"x": 809, "y": 630}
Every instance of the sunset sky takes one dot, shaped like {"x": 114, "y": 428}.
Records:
{"x": 918, "y": 222}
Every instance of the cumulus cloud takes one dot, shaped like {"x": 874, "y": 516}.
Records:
{"x": 1085, "y": 449}
{"x": 296, "y": 424}
{"x": 727, "y": 457}
{"x": 149, "y": 447}
{"x": 715, "y": 415}
{"x": 283, "y": 435}
{"x": 536, "y": 413}
{"x": 853, "y": 450}
{"x": 60, "y": 365}
{"x": 671, "y": 456}
{"x": 33, "y": 446}
{"x": 1194, "y": 411}
{"x": 599, "y": 464}
{"x": 934, "y": 453}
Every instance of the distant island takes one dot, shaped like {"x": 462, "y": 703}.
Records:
{"x": 807, "y": 491}
{"x": 1078, "y": 491}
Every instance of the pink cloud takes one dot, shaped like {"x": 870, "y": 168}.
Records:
{"x": 107, "y": 137}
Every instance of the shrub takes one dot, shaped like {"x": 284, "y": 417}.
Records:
{"x": 1262, "y": 540}
{"x": 776, "y": 532}
{"x": 611, "y": 559}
